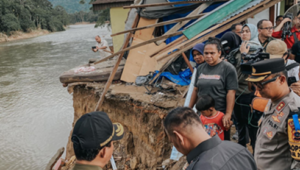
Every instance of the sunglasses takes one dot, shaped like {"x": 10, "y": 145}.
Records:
{"x": 261, "y": 84}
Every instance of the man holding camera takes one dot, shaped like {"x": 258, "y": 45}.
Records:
{"x": 292, "y": 38}
{"x": 272, "y": 150}
{"x": 102, "y": 47}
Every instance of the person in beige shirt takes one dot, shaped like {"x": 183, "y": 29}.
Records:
{"x": 102, "y": 47}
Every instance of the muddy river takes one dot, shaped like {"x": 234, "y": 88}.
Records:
{"x": 36, "y": 112}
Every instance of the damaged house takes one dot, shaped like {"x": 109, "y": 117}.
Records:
{"x": 149, "y": 72}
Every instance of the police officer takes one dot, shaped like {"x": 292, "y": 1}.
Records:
{"x": 272, "y": 150}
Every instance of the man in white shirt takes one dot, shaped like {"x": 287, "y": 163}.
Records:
{"x": 102, "y": 47}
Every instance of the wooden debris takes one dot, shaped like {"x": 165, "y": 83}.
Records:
{"x": 187, "y": 19}
{"x": 176, "y": 27}
{"x": 55, "y": 158}
{"x": 112, "y": 75}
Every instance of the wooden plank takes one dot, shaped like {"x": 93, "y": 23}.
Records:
{"x": 170, "y": 3}
{"x": 114, "y": 70}
{"x": 237, "y": 19}
{"x": 176, "y": 27}
{"x": 171, "y": 45}
{"x": 215, "y": 16}
{"x": 162, "y": 24}
{"x": 167, "y": 53}
{"x": 187, "y": 62}
{"x": 139, "y": 45}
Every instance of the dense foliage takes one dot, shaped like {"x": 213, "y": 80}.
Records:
{"x": 83, "y": 17}
{"x": 72, "y": 6}
{"x": 25, "y": 15}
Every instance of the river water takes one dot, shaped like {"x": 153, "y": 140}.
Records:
{"x": 36, "y": 112}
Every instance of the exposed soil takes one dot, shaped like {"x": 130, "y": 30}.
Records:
{"x": 145, "y": 144}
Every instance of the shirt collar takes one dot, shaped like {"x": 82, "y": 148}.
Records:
{"x": 86, "y": 167}
{"x": 202, "y": 147}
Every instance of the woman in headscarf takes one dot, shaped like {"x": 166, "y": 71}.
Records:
{"x": 197, "y": 54}
{"x": 244, "y": 96}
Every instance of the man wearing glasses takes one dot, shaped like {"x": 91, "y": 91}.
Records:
{"x": 289, "y": 40}
{"x": 272, "y": 150}
{"x": 265, "y": 30}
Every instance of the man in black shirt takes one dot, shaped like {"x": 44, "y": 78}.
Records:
{"x": 186, "y": 132}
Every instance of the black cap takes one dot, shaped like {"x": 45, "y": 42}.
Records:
{"x": 94, "y": 130}
{"x": 262, "y": 69}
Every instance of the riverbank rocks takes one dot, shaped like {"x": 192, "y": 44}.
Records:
{"x": 145, "y": 144}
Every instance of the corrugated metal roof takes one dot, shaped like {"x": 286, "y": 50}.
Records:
{"x": 244, "y": 8}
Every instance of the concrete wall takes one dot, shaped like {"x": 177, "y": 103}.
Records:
{"x": 118, "y": 17}
{"x": 262, "y": 15}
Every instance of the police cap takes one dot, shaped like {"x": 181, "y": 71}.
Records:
{"x": 262, "y": 69}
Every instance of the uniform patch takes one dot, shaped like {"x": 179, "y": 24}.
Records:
{"x": 270, "y": 134}
{"x": 280, "y": 106}
{"x": 275, "y": 118}
{"x": 281, "y": 114}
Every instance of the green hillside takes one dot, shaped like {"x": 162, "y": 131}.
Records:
{"x": 71, "y": 6}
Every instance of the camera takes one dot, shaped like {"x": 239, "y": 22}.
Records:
{"x": 226, "y": 50}
{"x": 286, "y": 29}
{"x": 249, "y": 59}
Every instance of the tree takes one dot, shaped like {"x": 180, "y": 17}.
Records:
{"x": 10, "y": 23}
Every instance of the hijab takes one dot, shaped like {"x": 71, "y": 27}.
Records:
{"x": 253, "y": 42}
{"x": 198, "y": 47}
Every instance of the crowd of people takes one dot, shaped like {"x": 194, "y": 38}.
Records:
{"x": 240, "y": 86}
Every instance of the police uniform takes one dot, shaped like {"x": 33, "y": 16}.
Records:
{"x": 272, "y": 150}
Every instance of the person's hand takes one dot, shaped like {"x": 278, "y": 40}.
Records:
{"x": 296, "y": 87}
{"x": 226, "y": 120}
{"x": 228, "y": 127}
{"x": 286, "y": 20}
{"x": 244, "y": 47}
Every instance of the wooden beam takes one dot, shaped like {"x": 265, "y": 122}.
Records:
{"x": 214, "y": 17}
{"x": 162, "y": 23}
{"x": 176, "y": 27}
{"x": 240, "y": 17}
{"x": 171, "y": 45}
{"x": 139, "y": 45}
{"x": 171, "y": 3}
{"x": 187, "y": 62}
{"x": 167, "y": 53}
{"x": 114, "y": 70}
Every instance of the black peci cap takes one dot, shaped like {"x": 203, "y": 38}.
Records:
{"x": 94, "y": 130}
{"x": 262, "y": 69}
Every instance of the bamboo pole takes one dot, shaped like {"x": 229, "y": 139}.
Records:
{"x": 187, "y": 62}
{"x": 161, "y": 24}
{"x": 139, "y": 45}
{"x": 114, "y": 70}
{"x": 170, "y": 3}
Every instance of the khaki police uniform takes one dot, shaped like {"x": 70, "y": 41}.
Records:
{"x": 272, "y": 150}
